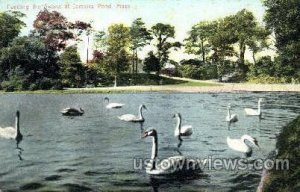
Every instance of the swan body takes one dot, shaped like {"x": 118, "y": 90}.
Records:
{"x": 134, "y": 118}
{"x": 186, "y": 130}
{"x": 12, "y": 132}
{"x": 240, "y": 145}
{"x": 231, "y": 118}
{"x": 113, "y": 105}
{"x": 254, "y": 112}
{"x": 72, "y": 111}
{"x": 172, "y": 165}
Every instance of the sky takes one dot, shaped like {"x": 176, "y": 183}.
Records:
{"x": 182, "y": 14}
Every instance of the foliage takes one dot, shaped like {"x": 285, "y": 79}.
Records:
{"x": 55, "y": 30}
{"x": 139, "y": 37}
{"x": 100, "y": 41}
{"x": 71, "y": 69}
{"x": 264, "y": 66}
{"x": 151, "y": 63}
{"x": 118, "y": 45}
{"x": 190, "y": 71}
{"x": 30, "y": 55}
{"x": 267, "y": 79}
{"x": 246, "y": 30}
{"x": 191, "y": 62}
{"x": 215, "y": 40}
{"x": 288, "y": 148}
{"x": 282, "y": 17}
{"x": 267, "y": 71}
{"x": 197, "y": 41}
{"x": 10, "y": 26}
{"x": 162, "y": 33}
{"x": 16, "y": 81}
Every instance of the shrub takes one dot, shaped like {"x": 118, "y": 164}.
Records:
{"x": 190, "y": 71}
{"x": 16, "y": 81}
{"x": 267, "y": 79}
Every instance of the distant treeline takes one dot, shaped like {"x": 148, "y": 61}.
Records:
{"x": 47, "y": 58}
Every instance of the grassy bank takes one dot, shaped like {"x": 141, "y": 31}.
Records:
{"x": 288, "y": 145}
{"x": 131, "y": 83}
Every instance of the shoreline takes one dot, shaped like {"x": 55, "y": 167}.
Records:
{"x": 210, "y": 87}
{"x": 286, "y": 179}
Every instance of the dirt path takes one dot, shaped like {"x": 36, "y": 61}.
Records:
{"x": 223, "y": 87}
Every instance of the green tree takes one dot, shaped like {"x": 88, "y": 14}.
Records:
{"x": 282, "y": 17}
{"x": 259, "y": 42}
{"x": 30, "y": 54}
{"x": 139, "y": 36}
{"x": 71, "y": 69}
{"x": 245, "y": 29}
{"x": 163, "y": 33}
{"x": 16, "y": 80}
{"x": 100, "y": 41}
{"x": 10, "y": 26}
{"x": 221, "y": 42}
{"x": 197, "y": 41}
{"x": 151, "y": 63}
{"x": 117, "y": 52}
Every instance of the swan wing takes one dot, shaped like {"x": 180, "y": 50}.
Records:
{"x": 127, "y": 117}
{"x": 227, "y": 118}
{"x": 73, "y": 110}
{"x": 169, "y": 166}
{"x": 114, "y": 105}
{"x": 65, "y": 110}
{"x": 8, "y": 132}
{"x": 233, "y": 118}
{"x": 250, "y": 111}
{"x": 237, "y": 145}
{"x": 186, "y": 130}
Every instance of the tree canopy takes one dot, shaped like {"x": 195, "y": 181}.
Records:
{"x": 56, "y": 30}
{"x": 282, "y": 17}
{"x": 10, "y": 26}
{"x": 163, "y": 33}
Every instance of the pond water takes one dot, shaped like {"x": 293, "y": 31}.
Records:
{"x": 95, "y": 152}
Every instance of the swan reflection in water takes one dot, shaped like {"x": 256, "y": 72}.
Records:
{"x": 20, "y": 149}
{"x": 13, "y": 133}
{"x": 178, "y": 180}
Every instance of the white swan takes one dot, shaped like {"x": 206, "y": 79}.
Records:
{"x": 231, "y": 118}
{"x": 134, "y": 118}
{"x": 12, "y": 132}
{"x": 240, "y": 145}
{"x": 112, "y": 105}
{"x": 172, "y": 165}
{"x": 186, "y": 130}
{"x": 72, "y": 111}
{"x": 254, "y": 112}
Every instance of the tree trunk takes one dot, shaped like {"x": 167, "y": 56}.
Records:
{"x": 253, "y": 56}
{"x": 136, "y": 61}
{"x": 133, "y": 60}
{"x": 241, "y": 63}
{"x": 203, "y": 51}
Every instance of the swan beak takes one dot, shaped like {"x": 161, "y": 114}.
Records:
{"x": 256, "y": 143}
{"x": 145, "y": 135}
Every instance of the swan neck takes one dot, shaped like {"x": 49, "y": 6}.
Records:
{"x": 141, "y": 113}
{"x": 229, "y": 112}
{"x": 258, "y": 107}
{"x": 178, "y": 126}
{"x": 17, "y": 124}
{"x": 154, "y": 148}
